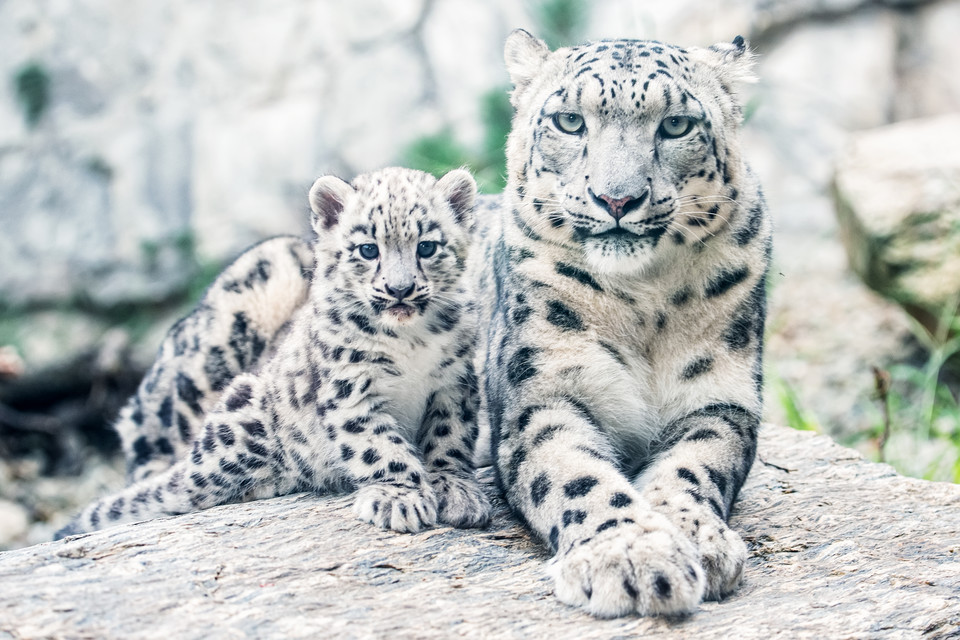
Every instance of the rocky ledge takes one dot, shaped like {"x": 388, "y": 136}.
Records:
{"x": 840, "y": 547}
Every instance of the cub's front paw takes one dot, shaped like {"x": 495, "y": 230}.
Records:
{"x": 460, "y": 500}
{"x": 396, "y": 506}
{"x": 650, "y": 569}
{"x": 722, "y": 554}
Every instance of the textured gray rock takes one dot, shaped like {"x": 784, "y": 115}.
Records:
{"x": 898, "y": 201}
{"x": 840, "y": 548}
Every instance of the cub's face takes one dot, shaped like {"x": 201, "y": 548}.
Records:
{"x": 395, "y": 240}
{"x": 622, "y": 147}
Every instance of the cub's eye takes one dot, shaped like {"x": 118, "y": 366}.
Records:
{"x": 676, "y": 127}
{"x": 426, "y": 249}
{"x": 368, "y": 251}
{"x": 569, "y": 122}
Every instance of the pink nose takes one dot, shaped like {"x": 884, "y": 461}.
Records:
{"x": 619, "y": 207}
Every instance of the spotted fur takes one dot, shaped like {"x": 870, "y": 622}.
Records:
{"x": 624, "y": 324}
{"x": 370, "y": 384}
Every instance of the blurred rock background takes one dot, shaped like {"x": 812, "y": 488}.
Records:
{"x": 142, "y": 145}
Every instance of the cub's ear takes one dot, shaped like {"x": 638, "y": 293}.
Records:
{"x": 524, "y": 55}
{"x": 459, "y": 189}
{"x": 733, "y": 62}
{"x": 328, "y": 196}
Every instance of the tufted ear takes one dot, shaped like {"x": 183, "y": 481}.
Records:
{"x": 328, "y": 196}
{"x": 459, "y": 189}
{"x": 733, "y": 62}
{"x": 524, "y": 55}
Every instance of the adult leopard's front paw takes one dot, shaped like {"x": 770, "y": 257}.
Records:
{"x": 652, "y": 569}
{"x": 461, "y": 501}
{"x": 722, "y": 555}
{"x": 397, "y": 506}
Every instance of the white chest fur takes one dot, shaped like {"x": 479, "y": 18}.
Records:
{"x": 418, "y": 366}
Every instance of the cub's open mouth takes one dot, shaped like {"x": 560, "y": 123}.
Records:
{"x": 400, "y": 311}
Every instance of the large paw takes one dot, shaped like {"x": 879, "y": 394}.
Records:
{"x": 396, "y": 506}
{"x": 460, "y": 500}
{"x": 650, "y": 569}
{"x": 722, "y": 555}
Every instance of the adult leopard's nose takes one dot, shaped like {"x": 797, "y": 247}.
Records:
{"x": 619, "y": 207}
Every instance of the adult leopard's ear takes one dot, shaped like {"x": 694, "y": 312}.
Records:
{"x": 524, "y": 55}
{"x": 731, "y": 62}
{"x": 328, "y": 197}
{"x": 459, "y": 189}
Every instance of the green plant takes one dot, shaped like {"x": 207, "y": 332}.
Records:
{"x": 796, "y": 416}
{"x": 441, "y": 152}
{"x": 561, "y": 22}
{"x": 32, "y": 85}
{"x": 920, "y": 404}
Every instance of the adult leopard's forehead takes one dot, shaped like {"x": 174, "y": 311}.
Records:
{"x": 615, "y": 76}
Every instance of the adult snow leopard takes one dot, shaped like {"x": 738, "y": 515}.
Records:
{"x": 370, "y": 385}
{"x": 624, "y": 324}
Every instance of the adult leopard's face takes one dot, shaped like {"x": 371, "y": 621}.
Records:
{"x": 624, "y": 147}
{"x": 396, "y": 240}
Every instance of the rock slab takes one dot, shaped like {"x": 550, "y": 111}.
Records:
{"x": 897, "y": 190}
{"x": 840, "y": 548}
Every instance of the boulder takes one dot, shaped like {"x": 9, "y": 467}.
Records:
{"x": 839, "y": 547}
{"x": 897, "y": 195}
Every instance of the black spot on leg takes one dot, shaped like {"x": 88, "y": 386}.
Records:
{"x": 662, "y": 586}
{"x": 724, "y": 280}
{"x": 225, "y": 434}
{"x": 573, "y": 516}
{"x": 701, "y": 434}
{"x": 189, "y": 393}
{"x": 165, "y": 413}
{"x": 183, "y": 428}
{"x": 580, "y": 486}
{"x": 521, "y": 365}
{"x": 163, "y": 446}
{"x": 240, "y": 397}
{"x": 256, "y": 448}
{"x": 717, "y": 509}
{"x": 217, "y": 370}
{"x": 685, "y": 474}
{"x": 578, "y": 274}
{"x": 562, "y": 316}
{"x": 539, "y": 489}
{"x": 554, "y": 537}
{"x": 344, "y": 388}
{"x": 370, "y": 456}
{"x": 697, "y": 368}
{"x": 620, "y": 500}
{"x": 681, "y": 297}
{"x": 609, "y": 524}
{"x": 254, "y": 428}
{"x": 142, "y": 451}
{"x": 719, "y": 479}
{"x": 116, "y": 509}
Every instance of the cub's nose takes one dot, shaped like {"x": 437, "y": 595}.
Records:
{"x": 619, "y": 207}
{"x": 400, "y": 292}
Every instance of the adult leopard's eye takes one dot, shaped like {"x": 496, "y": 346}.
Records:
{"x": 569, "y": 122}
{"x": 676, "y": 127}
{"x": 368, "y": 251}
{"x": 426, "y": 249}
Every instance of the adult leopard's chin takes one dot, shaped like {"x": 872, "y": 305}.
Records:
{"x": 620, "y": 251}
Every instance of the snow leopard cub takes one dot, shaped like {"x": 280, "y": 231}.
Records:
{"x": 373, "y": 385}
